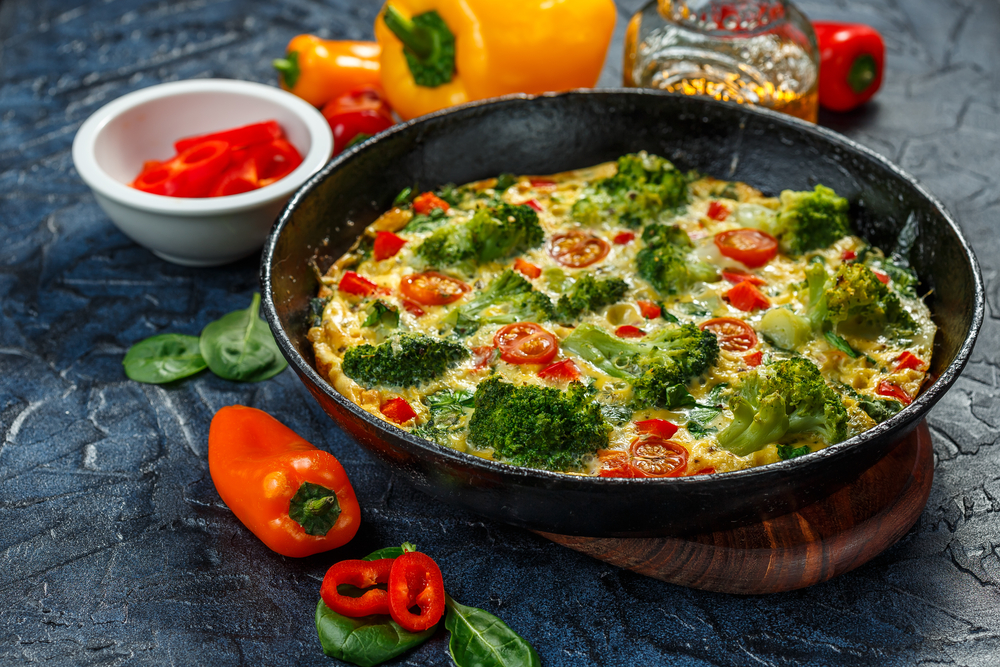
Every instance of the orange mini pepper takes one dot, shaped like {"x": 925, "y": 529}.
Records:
{"x": 319, "y": 70}
{"x": 294, "y": 497}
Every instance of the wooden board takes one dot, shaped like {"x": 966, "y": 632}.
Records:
{"x": 823, "y": 540}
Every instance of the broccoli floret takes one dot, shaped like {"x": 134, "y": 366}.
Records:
{"x": 589, "y": 294}
{"x": 664, "y": 260}
{"x": 780, "y": 398}
{"x": 643, "y": 188}
{"x": 491, "y": 234}
{"x": 509, "y": 298}
{"x": 404, "y": 361}
{"x": 538, "y": 427}
{"x": 879, "y": 409}
{"x": 859, "y": 299}
{"x": 810, "y": 220}
{"x": 653, "y": 365}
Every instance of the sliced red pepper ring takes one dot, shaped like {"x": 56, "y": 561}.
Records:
{"x": 237, "y": 137}
{"x": 397, "y": 410}
{"x": 193, "y": 173}
{"x": 275, "y": 160}
{"x": 361, "y": 574}
{"x": 387, "y": 245}
{"x": 240, "y": 177}
{"x": 415, "y": 581}
{"x": 352, "y": 283}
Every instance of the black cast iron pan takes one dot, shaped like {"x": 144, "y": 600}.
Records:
{"x": 553, "y": 133}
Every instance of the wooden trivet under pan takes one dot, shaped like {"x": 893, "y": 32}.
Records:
{"x": 825, "y": 539}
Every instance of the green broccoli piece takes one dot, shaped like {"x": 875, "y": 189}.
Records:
{"x": 817, "y": 283}
{"x": 664, "y": 260}
{"x": 783, "y": 397}
{"x": 879, "y": 409}
{"x": 653, "y": 365}
{"x": 589, "y": 294}
{"x": 405, "y": 361}
{"x": 515, "y": 301}
{"x": 859, "y": 299}
{"x": 644, "y": 187}
{"x": 491, "y": 234}
{"x": 810, "y": 220}
{"x": 449, "y": 414}
{"x": 538, "y": 427}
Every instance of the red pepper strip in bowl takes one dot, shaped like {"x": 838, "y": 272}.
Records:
{"x": 364, "y": 574}
{"x": 294, "y": 497}
{"x": 240, "y": 177}
{"x": 238, "y": 137}
{"x": 415, "y": 581}
{"x": 274, "y": 160}
{"x": 193, "y": 173}
{"x": 851, "y": 58}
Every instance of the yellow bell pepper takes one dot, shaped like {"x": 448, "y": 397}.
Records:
{"x": 439, "y": 53}
{"x": 319, "y": 70}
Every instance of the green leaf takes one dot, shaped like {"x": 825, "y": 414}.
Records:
{"x": 786, "y": 452}
{"x": 364, "y": 641}
{"x": 839, "y": 343}
{"x": 163, "y": 358}
{"x": 239, "y": 346}
{"x": 315, "y": 508}
{"x": 390, "y": 552}
{"x": 480, "y": 639}
{"x": 677, "y": 396}
{"x": 404, "y": 197}
{"x": 381, "y": 314}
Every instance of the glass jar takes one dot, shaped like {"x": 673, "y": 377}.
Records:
{"x": 746, "y": 51}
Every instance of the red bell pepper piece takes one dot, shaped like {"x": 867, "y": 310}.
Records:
{"x": 563, "y": 371}
{"x": 851, "y": 58}
{"x": 892, "y": 391}
{"x": 415, "y": 581}
{"x": 650, "y": 309}
{"x": 239, "y": 177}
{"x": 623, "y": 238}
{"x": 848, "y": 255}
{"x": 542, "y": 183}
{"x": 747, "y": 297}
{"x": 361, "y": 111}
{"x": 387, "y": 245}
{"x": 535, "y": 205}
{"x": 397, "y": 410}
{"x": 193, "y": 173}
{"x": 413, "y": 308}
{"x": 360, "y": 574}
{"x": 275, "y": 160}
{"x": 629, "y": 331}
{"x": 736, "y": 276}
{"x": 753, "y": 359}
{"x": 427, "y": 202}
{"x": 909, "y": 360}
{"x": 660, "y": 427}
{"x": 238, "y": 137}
{"x": 717, "y": 211}
{"x": 882, "y": 276}
{"x": 525, "y": 267}
{"x": 352, "y": 283}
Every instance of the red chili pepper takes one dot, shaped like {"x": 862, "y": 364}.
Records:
{"x": 535, "y": 205}
{"x": 753, "y": 359}
{"x": 747, "y": 297}
{"x": 629, "y": 331}
{"x": 736, "y": 276}
{"x": 415, "y": 581}
{"x": 892, "y": 391}
{"x": 387, "y": 245}
{"x": 427, "y": 202}
{"x": 660, "y": 427}
{"x": 851, "y": 59}
{"x": 564, "y": 371}
{"x": 362, "y": 111}
{"x": 238, "y": 137}
{"x": 364, "y": 574}
{"x": 352, "y": 283}
{"x": 397, "y": 410}
{"x": 909, "y": 360}
{"x": 623, "y": 238}
{"x": 717, "y": 211}
{"x": 527, "y": 268}
{"x": 650, "y": 309}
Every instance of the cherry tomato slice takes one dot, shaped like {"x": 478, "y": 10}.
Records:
{"x": 660, "y": 427}
{"x": 386, "y": 245}
{"x": 736, "y": 276}
{"x": 623, "y": 238}
{"x": 753, "y": 359}
{"x": 432, "y": 288}
{"x": 909, "y": 360}
{"x": 427, "y": 202}
{"x": 526, "y": 343}
{"x": 734, "y": 335}
{"x": 615, "y": 463}
{"x": 747, "y": 297}
{"x": 892, "y": 391}
{"x": 629, "y": 331}
{"x": 397, "y": 410}
{"x": 650, "y": 309}
{"x": 561, "y": 371}
{"x": 527, "y": 268}
{"x": 352, "y": 283}
{"x": 578, "y": 249}
{"x": 752, "y": 247}
{"x": 717, "y": 211}
{"x": 654, "y": 456}
{"x": 706, "y": 471}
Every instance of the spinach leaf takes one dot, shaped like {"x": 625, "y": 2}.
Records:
{"x": 316, "y": 307}
{"x": 163, "y": 358}
{"x": 405, "y": 196}
{"x": 390, "y": 552}
{"x": 677, "y": 396}
{"x": 786, "y": 452}
{"x": 364, "y": 641}
{"x": 839, "y": 343}
{"x": 239, "y": 346}
{"x": 381, "y": 314}
{"x": 426, "y": 222}
{"x": 616, "y": 414}
{"x": 480, "y": 639}
{"x": 701, "y": 415}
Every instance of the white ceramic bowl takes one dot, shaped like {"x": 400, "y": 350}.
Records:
{"x": 111, "y": 146}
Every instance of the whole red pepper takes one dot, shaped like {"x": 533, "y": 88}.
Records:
{"x": 851, "y": 60}
{"x": 361, "y": 112}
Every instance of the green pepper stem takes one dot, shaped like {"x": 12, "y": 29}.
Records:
{"x": 319, "y": 506}
{"x": 420, "y": 41}
{"x": 288, "y": 68}
{"x": 862, "y": 74}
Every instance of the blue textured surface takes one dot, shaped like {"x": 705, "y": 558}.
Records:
{"x": 114, "y": 546}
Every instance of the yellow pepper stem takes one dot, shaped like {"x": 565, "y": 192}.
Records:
{"x": 428, "y": 44}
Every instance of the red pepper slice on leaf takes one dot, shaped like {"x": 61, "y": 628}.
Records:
{"x": 387, "y": 245}
{"x": 851, "y": 59}
{"x": 882, "y": 276}
{"x": 364, "y": 574}
{"x": 415, "y": 581}
{"x": 352, "y": 283}
{"x": 629, "y": 331}
{"x": 237, "y": 137}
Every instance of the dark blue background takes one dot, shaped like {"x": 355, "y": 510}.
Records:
{"x": 114, "y": 546}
